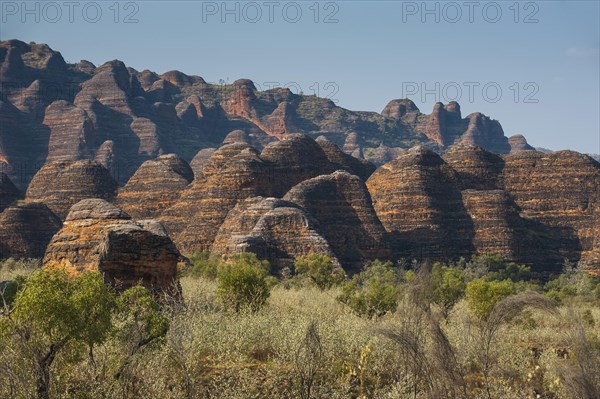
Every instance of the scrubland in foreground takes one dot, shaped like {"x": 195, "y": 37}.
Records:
{"x": 446, "y": 334}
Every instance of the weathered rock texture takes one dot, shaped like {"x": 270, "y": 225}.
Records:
{"x": 143, "y": 115}
{"x": 518, "y": 142}
{"x": 342, "y": 205}
{"x": 8, "y": 192}
{"x": 98, "y": 236}
{"x": 529, "y": 206}
{"x": 559, "y": 194}
{"x": 497, "y": 226}
{"x": 417, "y": 198}
{"x": 341, "y": 160}
{"x": 155, "y": 186}
{"x": 477, "y": 168}
{"x": 62, "y": 184}
{"x": 293, "y": 159}
{"x": 200, "y": 159}
{"x": 234, "y": 172}
{"x": 26, "y": 230}
{"x": 275, "y": 230}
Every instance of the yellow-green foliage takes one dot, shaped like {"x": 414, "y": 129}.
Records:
{"x": 319, "y": 269}
{"x": 483, "y": 295}
{"x": 243, "y": 282}
{"x": 373, "y": 292}
{"x": 303, "y": 342}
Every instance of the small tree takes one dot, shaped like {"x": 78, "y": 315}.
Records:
{"x": 53, "y": 310}
{"x": 448, "y": 287}
{"x": 482, "y": 295}
{"x": 242, "y": 282}
{"x": 139, "y": 322}
{"x": 319, "y": 269}
{"x": 373, "y": 292}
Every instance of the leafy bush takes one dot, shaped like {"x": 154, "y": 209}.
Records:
{"x": 204, "y": 264}
{"x": 448, "y": 287}
{"x": 483, "y": 295}
{"x": 53, "y": 310}
{"x": 373, "y": 292}
{"x": 572, "y": 283}
{"x": 243, "y": 282}
{"x": 511, "y": 271}
{"x": 319, "y": 269}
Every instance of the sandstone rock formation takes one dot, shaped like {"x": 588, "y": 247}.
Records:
{"x": 234, "y": 172}
{"x": 61, "y": 184}
{"x": 26, "y": 230}
{"x": 497, "y": 226}
{"x": 273, "y": 229}
{"x": 417, "y": 198}
{"x": 342, "y": 205}
{"x": 518, "y": 142}
{"x": 559, "y": 192}
{"x": 200, "y": 159}
{"x": 8, "y": 192}
{"x": 383, "y": 154}
{"x": 341, "y": 160}
{"x": 293, "y": 159}
{"x": 98, "y": 236}
{"x": 155, "y": 186}
{"x": 71, "y": 132}
{"x": 477, "y": 168}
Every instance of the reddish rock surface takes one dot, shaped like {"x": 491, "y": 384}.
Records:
{"x": 273, "y": 229}
{"x": 417, "y": 198}
{"x": 98, "y": 236}
{"x": 341, "y": 203}
{"x": 62, "y": 184}
{"x": 234, "y": 172}
{"x": 518, "y": 142}
{"x": 155, "y": 186}
{"x": 26, "y": 230}
{"x": 559, "y": 193}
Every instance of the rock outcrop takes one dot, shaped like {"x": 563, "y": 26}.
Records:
{"x": 26, "y": 230}
{"x": 477, "y": 168}
{"x": 155, "y": 186}
{"x": 98, "y": 236}
{"x": 200, "y": 159}
{"x": 273, "y": 229}
{"x": 559, "y": 194}
{"x": 341, "y": 160}
{"x": 497, "y": 226}
{"x": 383, "y": 154}
{"x": 234, "y": 172}
{"x": 341, "y": 203}
{"x": 62, "y": 184}
{"x": 417, "y": 197}
{"x": 518, "y": 142}
{"x": 71, "y": 132}
{"x": 8, "y": 192}
{"x": 293, "y": 159}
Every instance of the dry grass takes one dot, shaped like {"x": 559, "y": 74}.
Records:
{"x": 210, "y": 352}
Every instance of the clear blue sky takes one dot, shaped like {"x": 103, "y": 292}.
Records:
{"x": 375, "y": 52}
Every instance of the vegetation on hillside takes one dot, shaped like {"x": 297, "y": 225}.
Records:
{"x": 477, "y": 329}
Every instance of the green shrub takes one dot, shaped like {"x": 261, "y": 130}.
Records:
{"x": 54, "y": 310}
{"x": 511, "y": 271}
{"x": 319, "y": 269}
{"x": 243, "y": 282}
{"x": 483, "y": 295}
{"x": 373, "y": 292}
{"x": 448, "y": 287}
{"x": 204, "y": 264}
